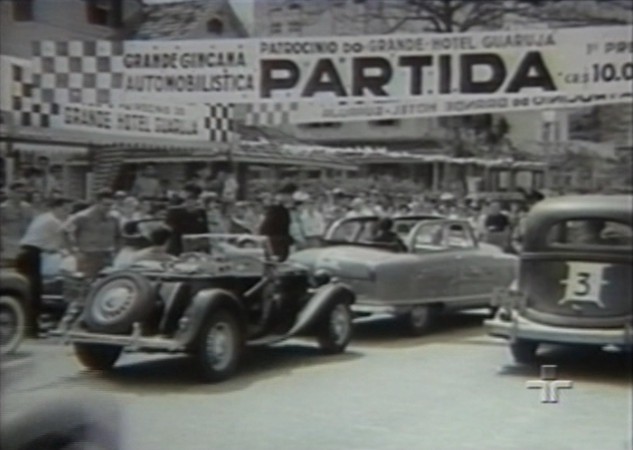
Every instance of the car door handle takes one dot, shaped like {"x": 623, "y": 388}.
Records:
{"x": 459, "y": 256}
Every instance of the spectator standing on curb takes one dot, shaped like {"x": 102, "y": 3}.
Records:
{"x": 93, "y": 234}
{"x": 16, "y": 215}
{"x": 44, "y": 237}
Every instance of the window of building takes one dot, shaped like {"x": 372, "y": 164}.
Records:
{"x": 276, "y": 28}
{"x": 105, "y": 12}
{"x": 385, "y": 122}
{"x": 295, "y": 27}
{"x": 215, "y": 26}
{"x": 22, "y": 10}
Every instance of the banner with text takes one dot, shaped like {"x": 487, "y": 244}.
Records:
{"x": 184, "y": 122}
{"x": 441, "y": 73}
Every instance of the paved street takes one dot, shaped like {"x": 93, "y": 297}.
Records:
{"x": 454, "y": 389}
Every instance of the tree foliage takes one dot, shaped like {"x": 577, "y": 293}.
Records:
{"x": 448, "y": 16}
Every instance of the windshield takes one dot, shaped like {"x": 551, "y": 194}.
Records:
{"x": 211, "y": 243}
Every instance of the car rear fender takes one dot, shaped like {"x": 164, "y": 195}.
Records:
{"x": 15, "y": 283}
{"x": 319, "y": 304}
{"x": 203, "y": 304}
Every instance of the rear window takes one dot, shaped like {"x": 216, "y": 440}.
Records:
{"x": 591, "y": 233}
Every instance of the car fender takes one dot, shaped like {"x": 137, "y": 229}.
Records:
{"x": 204, "y": 303}
{"x": 11, "y": 281}
{"x": 322, "y": 299}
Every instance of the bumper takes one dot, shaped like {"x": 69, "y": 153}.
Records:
{"x": 373, "y": 309}
{"x": 132, "y": 342}
{"x": 518, "y": 327}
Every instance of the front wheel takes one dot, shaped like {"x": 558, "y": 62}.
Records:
{"x": 97, "y": 356}
{"x": 13, "y": 324}
{"x": 524, "y": 352}
{"x": 335, "y": 332}
{"x": 420, "y": 318}
{"x": 219, "y": 346}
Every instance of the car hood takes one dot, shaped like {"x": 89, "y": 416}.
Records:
{"x": 349, "y": 261}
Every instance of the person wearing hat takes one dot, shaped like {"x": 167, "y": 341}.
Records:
{"x": 277, "y": 221}
{"x": 44, "y": 237}
{"x": 188, "y": 218}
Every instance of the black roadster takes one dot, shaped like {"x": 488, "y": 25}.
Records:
{"x": 223, "y": 293}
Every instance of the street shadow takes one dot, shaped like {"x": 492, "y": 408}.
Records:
{"x": 581, "y": 364}
{"x": 166, "y": 374}
{"x": 385, "y": 331}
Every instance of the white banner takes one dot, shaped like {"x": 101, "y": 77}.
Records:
{"x": 433, "y": 67}
{"x": 143, "y": 120}
{"x": 417, "y": 74}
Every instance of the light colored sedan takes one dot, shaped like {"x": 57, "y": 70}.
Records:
{"x": 444, "y": 268}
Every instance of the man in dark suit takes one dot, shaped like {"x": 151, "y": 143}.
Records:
{"x": 276, "y": 223}
{"x": 187, "y": 218}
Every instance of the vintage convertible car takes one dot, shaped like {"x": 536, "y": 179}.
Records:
{"x": 223, "y": 293}
{"x": 574, "y": 285}
{"x": 444, "y": 267}
{"x": 54, "y": 422}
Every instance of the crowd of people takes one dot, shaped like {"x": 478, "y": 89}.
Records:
{"x": 45, "y": 229}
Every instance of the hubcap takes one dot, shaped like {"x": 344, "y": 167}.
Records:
{"x": 419, "y": 316}
{"x": 113, "y": 302}
{"x": 340, "y": 323}
{"x": 220, "y": 345}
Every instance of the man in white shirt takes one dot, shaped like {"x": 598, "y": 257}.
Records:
{"x": 45, "y": 234}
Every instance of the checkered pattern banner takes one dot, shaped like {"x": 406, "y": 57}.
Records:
{"x": 77, "y": 71}
{"x": 220, "y": 123}
{"x": 26, "y": 110}
{"x": 269, "y": 114}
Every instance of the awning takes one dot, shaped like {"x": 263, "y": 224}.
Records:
{"x": 252, "y": 154}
